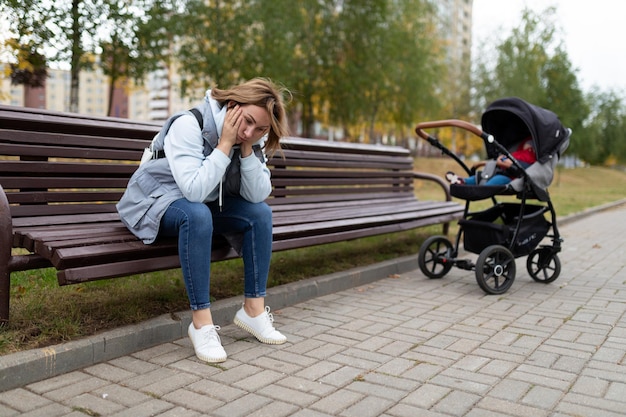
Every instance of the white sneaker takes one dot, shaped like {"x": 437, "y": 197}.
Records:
{"x": 206, "y": 343}
{"x": 260, "y": 326}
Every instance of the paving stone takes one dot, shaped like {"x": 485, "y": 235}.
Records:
{"x": 426, "y": 396}
{"x": 21, "y": 400}
{"x": 121, "y": 395}
{"x": 244, "y": 407}
{"x": 95, "y": 405}
{"x": 336, "y": 402}
{"x": 192, "y": 400}
{"x": 457, "y": 403}
{"x": 367, "y": 407}
{"x": 109, "y": 372}
{"x": 275, "y": 409}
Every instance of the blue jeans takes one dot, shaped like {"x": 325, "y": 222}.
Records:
{"x": 497, "y": 179}
{"x": 195, "y": 223}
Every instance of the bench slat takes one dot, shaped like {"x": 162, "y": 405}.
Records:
{"x": 340, "y": 236}
{"x": 62, "y": 209}
{"x": 338, "y": 161}
{"x": 63, "y": 182}
{"x": 77, "y": 140}
{"x": 58, "y": 169}
{"x": 304, "y": 229}
{"x": 35, "y": 197}
{"x": 282, "y": 192}
{"x": 64, "y": 258}
{"x": 280, "y": 205}
{"x": 317, "y": 145}
{"x": 28, "y": 119}
{"x": 276, "y": 201}
{"x": 83, "y": 219}
{"x": 365, "y": 209}
{"x": 68, "y": 152}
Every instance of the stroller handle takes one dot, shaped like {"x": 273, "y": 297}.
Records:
{"x": 451, "y": 123}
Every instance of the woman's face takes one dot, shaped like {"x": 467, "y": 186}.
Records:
{"x": 254, "y": 124}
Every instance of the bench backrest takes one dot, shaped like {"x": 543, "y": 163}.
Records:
{"x": 58, "y": 163}
{"x": 54, "y": 163}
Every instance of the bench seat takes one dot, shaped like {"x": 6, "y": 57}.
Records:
{"x": 61, "y": 175}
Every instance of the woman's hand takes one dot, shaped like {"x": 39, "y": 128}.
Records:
{"x": 232, "y": 121}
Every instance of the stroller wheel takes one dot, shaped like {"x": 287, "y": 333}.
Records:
{"x": 434, "y": 257}
{"x": 495, "y": 269}
{"x": 543, "y": 265}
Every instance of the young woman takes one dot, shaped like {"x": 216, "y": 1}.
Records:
{"x": 207, "y": 175}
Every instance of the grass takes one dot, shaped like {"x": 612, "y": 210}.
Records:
{"x": 42, "y": 313}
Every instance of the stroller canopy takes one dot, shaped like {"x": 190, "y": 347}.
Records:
{"x": 512, "y": 119}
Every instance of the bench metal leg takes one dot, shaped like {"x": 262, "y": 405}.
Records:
{"x": 6, "y": 244}
{"x": 5, "y": 289}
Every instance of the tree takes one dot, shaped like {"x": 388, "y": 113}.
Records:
{"x": 604, "y": 130}
{"x": 76, "y": 25}
{"x": 139, "y": 39}
{"x": 74, "y": 31}
{"x": 25, "y": 43}
{"x": 348, "y": 63}
{"x": 211, "y": 42}
{"x": 293, "y": 43}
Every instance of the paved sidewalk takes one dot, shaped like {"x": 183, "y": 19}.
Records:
{"x": 401, "y": 345}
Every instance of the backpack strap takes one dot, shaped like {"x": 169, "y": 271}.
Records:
{"x": 198, "y": 115}
{"x": 161, "y": 153}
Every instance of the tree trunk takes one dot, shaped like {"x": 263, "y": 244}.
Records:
{"x": 76, "y": 56}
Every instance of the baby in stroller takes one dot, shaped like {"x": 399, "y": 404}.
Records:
{"x": 504, "y": 171}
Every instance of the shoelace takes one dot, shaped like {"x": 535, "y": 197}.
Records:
{"x": 270, "y": 316}
{"x": 207, "y": 337}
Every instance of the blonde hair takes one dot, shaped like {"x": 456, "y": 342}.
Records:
{"x": 263, "y": 93}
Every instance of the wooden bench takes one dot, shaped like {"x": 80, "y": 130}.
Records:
{"x": 61, "y": 175}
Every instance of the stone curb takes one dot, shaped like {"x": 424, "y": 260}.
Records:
{"x": 585, "y": 213}
{"x": 22, "y": 368}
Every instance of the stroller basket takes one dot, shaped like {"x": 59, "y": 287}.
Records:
{"x": 496, "y": 226}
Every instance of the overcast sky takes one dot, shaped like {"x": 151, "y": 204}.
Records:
{"x": 594, "y": 33}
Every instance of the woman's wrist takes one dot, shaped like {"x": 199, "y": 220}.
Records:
{"x": 246, "y": 150}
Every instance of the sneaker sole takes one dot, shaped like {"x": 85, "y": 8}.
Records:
{"x": 261, "y": 339}
{"x": 211, "y": 360}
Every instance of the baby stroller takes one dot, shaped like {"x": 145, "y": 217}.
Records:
{"x": 507, "y": 230}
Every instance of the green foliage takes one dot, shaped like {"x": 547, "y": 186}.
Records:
{"x": 25, "y": 41}
{"x": 357, "y": 64}
{"x": 532, "y": 64}
{"x": 370, "y": 68}
{"x": 604, "y": 130}
{"x": 386, "y": 65}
